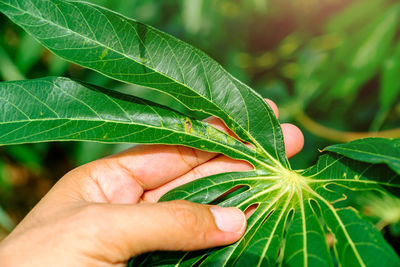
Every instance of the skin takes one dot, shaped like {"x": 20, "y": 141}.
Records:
{"x": 104, "y": 212}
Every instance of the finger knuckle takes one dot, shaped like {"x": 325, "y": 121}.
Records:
{"x": 189, "y": 156}
{"x": 186, "y": 215}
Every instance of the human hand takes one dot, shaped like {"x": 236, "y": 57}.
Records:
{"x": 106, "y": 211}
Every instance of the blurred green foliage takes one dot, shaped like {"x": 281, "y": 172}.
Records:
{"x": 338, "y": 61}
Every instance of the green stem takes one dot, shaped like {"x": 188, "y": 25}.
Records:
{"x": 340, "y": 136}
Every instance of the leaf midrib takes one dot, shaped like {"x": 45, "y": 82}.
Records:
{"x": 150, "y": 126}
{"x": 124, "y": 123}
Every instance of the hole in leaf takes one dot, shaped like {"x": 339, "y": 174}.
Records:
{"x": 188, "y": 125}
{"x": 315, "y": 207}
{"x": 230, "y": 193}
{"x": 266, "y": 217}
{"x": 330, "y": 240}
{"x": 250, "y": 210}
{"x": 289, "y": 218}
{"x": 200, "y": 261}
{"x": 220, "y": 125}
{"x": 288, "y": 223}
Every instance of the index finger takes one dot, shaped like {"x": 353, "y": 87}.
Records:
{"x": 122, "y": 178}
{"x": 155, "y": 165}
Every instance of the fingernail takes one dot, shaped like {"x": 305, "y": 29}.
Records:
{"x": 230, "y": 220}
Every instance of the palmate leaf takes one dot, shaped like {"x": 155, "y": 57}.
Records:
{"x": 132, "y": 52}
{"x": 302, "y": 218}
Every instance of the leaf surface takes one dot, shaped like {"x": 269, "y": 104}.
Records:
{"x": 129, "y": 51}
{"x": 390, "y": 82}
{"x": 365, "y": 54}
{"x": 372, "y": 150}
{"x": 60, "y": 109}
{"x": 302, "y": 219}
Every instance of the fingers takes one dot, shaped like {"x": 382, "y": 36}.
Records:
{"x": 150, "y": 165}
{"x": 143, "y": 168}
{"x": 175, "y": 225}
{"x": 293, "y": 138}
{"x": 218, "y": 165}
{"x": 273, "y": 107}
{"x": 294, "y": 142}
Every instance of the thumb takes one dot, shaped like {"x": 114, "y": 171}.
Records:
{"x": 175, "y": 225}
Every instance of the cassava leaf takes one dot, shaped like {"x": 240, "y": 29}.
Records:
{"x": 355, "y": 13}
{"x": 302, "y": 219}
{"x": 132, "y": 52}
{"x": 372, "y": 150}
{"x": 60, "y": 109}
{"x": 361, "y": 60}
{"x": 390, "y": 82}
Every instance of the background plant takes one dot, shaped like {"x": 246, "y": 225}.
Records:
{"x": 281, "y": 77}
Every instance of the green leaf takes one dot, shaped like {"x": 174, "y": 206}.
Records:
{"x": 8, "y": 70}
{"x": 389, "y": 90}
{"x": 129, "y": 51}
{"x": 57, "y": 66}
{"x": 373, "y": 47}
{"x": 5, "y": 220}
{"x": 192, "y": 15}
{"x": 25, "y": 61}
{"x": 356, "y": 13}
{"x": 26, "y": 156}
{"x": 61, "y": 110}
{"x": 367, "y": 53}
{"x": 301, "y": 218}
{"x": 390, "y": 82}
{"x": 372, "y": 150}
